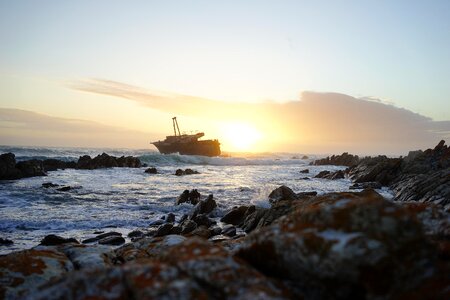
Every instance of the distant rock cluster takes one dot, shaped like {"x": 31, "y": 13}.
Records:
{"x": 10, "y": 169}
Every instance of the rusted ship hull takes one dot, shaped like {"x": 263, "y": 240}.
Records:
{"x": 205, "y": 148}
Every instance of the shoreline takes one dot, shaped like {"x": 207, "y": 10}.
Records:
{"x": 279, "y": 248}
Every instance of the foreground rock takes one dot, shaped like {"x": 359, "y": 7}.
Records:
{"x": 348, "y": 246}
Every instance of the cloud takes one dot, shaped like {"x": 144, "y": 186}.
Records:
{"x": 317, "y": 122}
{"x": 22, "y": 127}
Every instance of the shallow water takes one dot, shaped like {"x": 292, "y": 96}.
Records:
{"x": 123, "y": 199}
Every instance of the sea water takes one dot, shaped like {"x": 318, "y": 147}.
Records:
{"x": 125, "y": 199}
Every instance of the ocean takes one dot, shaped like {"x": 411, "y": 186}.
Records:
{"x": 125, "y": 199}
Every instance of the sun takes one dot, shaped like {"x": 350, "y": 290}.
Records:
{"x": 239, "y": 136}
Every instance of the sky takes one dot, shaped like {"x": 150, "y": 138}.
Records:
{"x": 298, "y": 76}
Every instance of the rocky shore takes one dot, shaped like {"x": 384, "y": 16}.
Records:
{"x": 348, "y": 245}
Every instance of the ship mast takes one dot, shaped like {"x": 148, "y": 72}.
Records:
{"x": 175, "y": 123}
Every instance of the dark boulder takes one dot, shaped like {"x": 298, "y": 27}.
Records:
{"x": 49, "y": 185}
{"x": 187, "y": 196}
{"x": 151, "y": 170}
{"x": 366, "y": 185}
{"x": 53, "y": 240}
{"x": 8, "y": 168}
{"x": 181, "y": 172}
{"x": 204, "y": 207}
{"x": 305, "y": 171}
{"x": 229, "y": 230}
{"x": 107, "y": 161}
{"x": 31, "y": 168}
{"x": 52, "y": 164}
{"x": 235, "y": 216}
{"x": 202, "y": 219}
{"x": 170, "y": 218}
{"x": 188, "y": 226}
{"x": 5, "y": 242}
{"x": 164, "y": 229}
{"x": 331, "y": 175}
{"x": 112, "y": 240}
{"x": 282, "y": 193}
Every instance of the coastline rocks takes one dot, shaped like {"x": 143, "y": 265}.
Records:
{"x": 88, "y": 257}
{"x": 52, "y": 240}
{"x": 366, "y": 185}
{"x": 151, "y": 170}
{"x": 21, "y": 273}
{"x": 305, "y": 171}
{"x": 5, "y": 242}
{"x": 235, "y": 216}
{"x": 331, "y": 175}
{"x": 192, "y": 197}
{"x": 344, "y": 159}
{"x": 107, "y": 161}
{"x": 380, "y": 169}
{"x": 31, "y": 168}
{"x": 282, "y": 193}
{"x": 181, "y": 172}
{"x": 112, "y": 240}
{"x": 203, "y": 207}
{"x": 345, "y": 245}
{"x": 52, "y": 164}
{"x": 8, "y": 168}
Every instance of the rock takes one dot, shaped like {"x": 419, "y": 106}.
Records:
{"x": 188, "y": 226}
{"x": 377, "y": 169}
{"x": 52, "y": 164}
{"x": 170, "y": 218}
{"x": 176, "y": 230}
{"x": 21, "y": 273}
{"x": 107, "y": 161}
{"x": 305, "y": 171}
{"x": 323, "y": 174}
{"x": 346, "y": 246}
{"x": 151, "y": 170}
{"x": 204, "y": 207}
{"x": 88, "y": 257}
{"x": 8, "y": 168}
{"x": 164, "y": 229}
{"x": 112, "y": 240}
{"x": 31, "y": 168}
{"x": 344, "y": 159}
{"x": 302, "y": 195}
{"x": 331, "y": 175}
{"x": 229, "y": 230}
{"x": 49, "y": 185}
{"x": 180, "y": 172}
{"x": 64, "y": 189}
{"x": 5, "y": 242}
{"x": 218, "y": 238}
{"x": 192, "y": 197}
{"x": 227, "y": 277}
{"x": 203, "y": 219}
{"x": 108, "y": 234}
{"x": 281, "y": 193}
{"x": 235, "y": 216}
{"x": 52, "y": 240}
{"x": 305, "y": 157}
{"x": 215, "y": 230}
{"x": 135, "y": 234}
{"x": 157, "y": 222}
{"x": 201, "y": 231}
{"x": 89, "y": 240}
{"x": 366, "y": 185}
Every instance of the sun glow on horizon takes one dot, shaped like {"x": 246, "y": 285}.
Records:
{"x": 239, "y": 136}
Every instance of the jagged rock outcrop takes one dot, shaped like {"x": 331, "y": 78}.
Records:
{"x": 9, "y": 169}
{"x": 344, "y": 159}
{"x": 107, "y": 161}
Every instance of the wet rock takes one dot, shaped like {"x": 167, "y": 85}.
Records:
{"x": 170, "y": 218}
{"x": 215, "y": 230}
{"x": 203, "y": 219}
{"x": 188, "y": 226}
{"x": 218, "y": 238}
{"x": 52, "y": 164}
{"x": 157, "y": 222}
{"x": 192, "y": 197}
{"x": 49, "y": 185}
{"x": 52, "y": 240}
{"x": 204, "y": 207}
{"x": 21, "y": 273}
{"x": 5, "y": 242}
{"x": 201, "y": 231}
{"x": 8, "y": 168}
{"x": 344, "y": 159}
{"x": 31, "y": 168}
{"x": 89, "y": 240}
{"x": 64, "y": 189}
{"x": 345, "y": 246}
{"x": 181, "y": 172}
{"x": 235, "y": 216}
{"x": 151, "y": 170}
{"x": 112, "y": 240}
{"x": 331, "y": 175}
{"x": 107, "y": 161}
{"x": 281, "y": 193}
{"x": 376, "y": 169}
{"x": 176, "y": 230}
{"x": 302, "y": 195}
{"x": 366, "y": 185}
{"x": 164, "y": 229}
{"x": 135, "y": 234}
{"x": 229, "y": 230}
{"x": 108, "y": 234}
{"x": 305, "y": 171}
